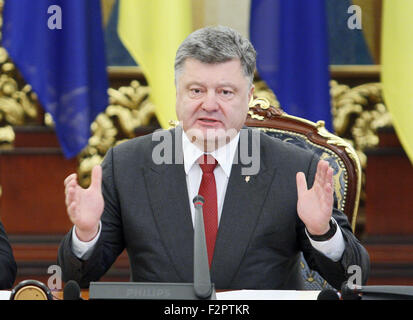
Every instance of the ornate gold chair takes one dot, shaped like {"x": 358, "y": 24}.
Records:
{"x": 313, "y": 136}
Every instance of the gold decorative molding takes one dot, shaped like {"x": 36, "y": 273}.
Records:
{"x": 129, "y": 108}
{"x": 265, "y": 105}
{"x": 18, "y": 103}
{"x": 358, "y": 113}
{"x": 262, "y": 91}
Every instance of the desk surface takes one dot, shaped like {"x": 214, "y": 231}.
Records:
{"x": 221, "y": 295}
{"x": 238, "y": 295}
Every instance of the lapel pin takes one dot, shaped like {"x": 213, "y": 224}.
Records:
{"x": 247, "y": 179}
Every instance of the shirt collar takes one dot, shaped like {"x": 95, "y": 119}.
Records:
{"x": 224, "y": 155}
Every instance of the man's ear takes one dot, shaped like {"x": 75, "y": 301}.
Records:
{"x": 176, "y": 89}
{"x": 251, "y": 92}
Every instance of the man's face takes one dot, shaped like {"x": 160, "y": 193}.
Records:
{"x": 212, "y": 100}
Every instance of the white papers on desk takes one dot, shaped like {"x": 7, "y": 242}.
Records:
{"x": 267, "y": 295}
{"x": 5, "y": 294}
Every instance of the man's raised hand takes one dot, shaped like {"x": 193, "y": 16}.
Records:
{"x": 315, "y": 205}
{"x": 85, "y": 206}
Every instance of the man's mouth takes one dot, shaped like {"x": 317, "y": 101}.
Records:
{"x": 208, "y": 120}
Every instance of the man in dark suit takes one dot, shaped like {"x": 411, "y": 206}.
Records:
{"x": 8, "y": 266}
{"x": 256, "y": 223}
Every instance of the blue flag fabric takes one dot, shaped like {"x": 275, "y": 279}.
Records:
{"x": 58, "y": 47}
{"x": 291, "y": 40}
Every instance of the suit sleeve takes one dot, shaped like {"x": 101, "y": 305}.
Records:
{"x": 354, "y": 253}
{"x": 8, "y": 268}
{"x": 110, "y": 243}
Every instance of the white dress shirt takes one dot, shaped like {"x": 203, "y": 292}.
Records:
{"x": 225, "y": 158}
{"x": 332, "y": 248}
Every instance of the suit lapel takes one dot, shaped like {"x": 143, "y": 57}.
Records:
{"x": 168, "y": 195}
{"x": 243, "y": 203}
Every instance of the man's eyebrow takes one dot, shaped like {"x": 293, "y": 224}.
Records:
{"x": 201, "y": 84}
{"x": 227, "y": 84}
{"x": 197, "y": 83}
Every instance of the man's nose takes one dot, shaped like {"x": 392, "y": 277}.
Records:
{"x": 210, "y": 103}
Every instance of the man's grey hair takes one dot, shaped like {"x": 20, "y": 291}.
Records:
{"x": 216, "y": 45}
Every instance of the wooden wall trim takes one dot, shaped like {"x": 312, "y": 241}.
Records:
{"x": 355, "y": 70}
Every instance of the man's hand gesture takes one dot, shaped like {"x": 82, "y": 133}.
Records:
{"x": 85, "y": 206}
{"x": 315, "y": 205}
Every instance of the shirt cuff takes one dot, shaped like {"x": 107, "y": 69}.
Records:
{"x": 332, "y": 248}
{"x": 81, "y": 249}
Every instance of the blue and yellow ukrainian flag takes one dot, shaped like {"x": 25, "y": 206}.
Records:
{"x": 152, "y": 31}
{"x": 397, "y": 68}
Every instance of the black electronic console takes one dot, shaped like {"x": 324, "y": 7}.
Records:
{"x": 387, "y": 292}
{"x": 201, "y": 288}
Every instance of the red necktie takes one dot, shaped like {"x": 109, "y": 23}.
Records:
{"x": 208, "y": 190}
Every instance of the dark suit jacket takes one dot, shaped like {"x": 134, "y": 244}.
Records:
{"x": 8, "y": 268}
{"x": 260, "y": 234}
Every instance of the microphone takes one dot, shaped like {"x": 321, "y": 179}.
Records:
{"x": 71, "y": 291}
{"x": 387, "y": 292}
{"x": 348, "y": 294}
{"x": 202, "y": 279}
{"x": 328, "y": 294}
{"x": 201, "y": 288}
